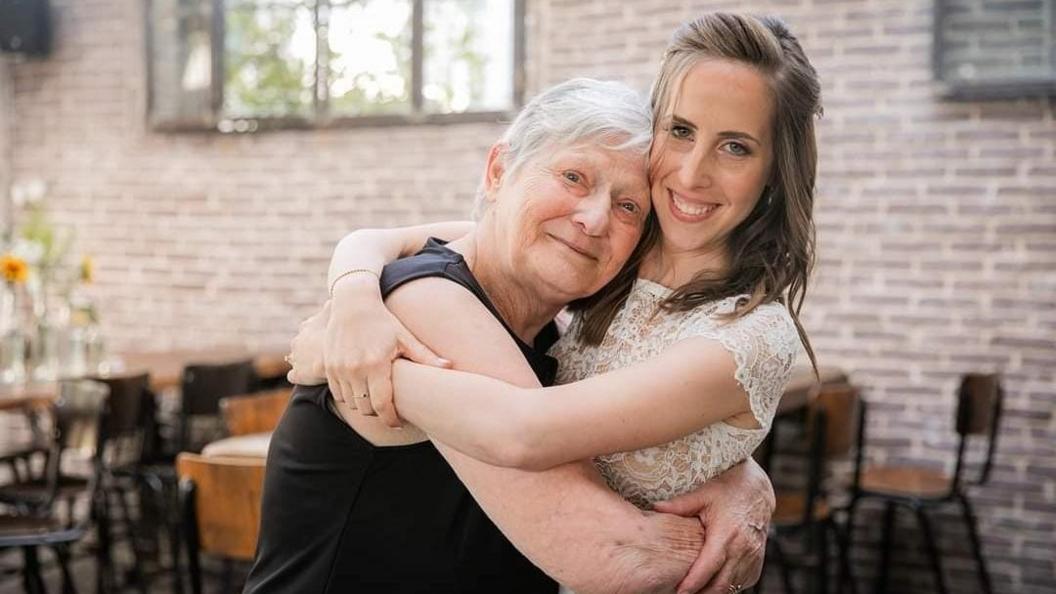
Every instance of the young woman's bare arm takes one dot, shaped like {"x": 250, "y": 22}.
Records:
{"x": 689, "y": 386}
{"x": 372, "y": 249}
{"x": 362, "y": 337}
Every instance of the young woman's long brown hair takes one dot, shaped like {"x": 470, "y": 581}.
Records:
{"x": 772, "y": 251}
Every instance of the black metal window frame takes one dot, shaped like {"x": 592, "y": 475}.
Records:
{"x": 321, "y": 118}
{"x": 990, "y": 88}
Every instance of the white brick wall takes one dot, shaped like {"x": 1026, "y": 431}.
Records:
{"x": 936, "y": 222}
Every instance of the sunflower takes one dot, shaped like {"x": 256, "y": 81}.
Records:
{"x": 87, "y": 270}
{"x": 13, "y": 268}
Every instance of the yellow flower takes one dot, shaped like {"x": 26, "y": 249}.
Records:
{"x": 87, "y": 270}
{"x": 13, "y": 268}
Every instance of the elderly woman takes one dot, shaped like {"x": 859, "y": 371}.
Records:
{"x": 351, "y": 505}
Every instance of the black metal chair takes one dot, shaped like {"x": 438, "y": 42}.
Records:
{"x": 832, "y": 420}
{"x": 19, "y": 456}
{"x": 126, "y": 427}
{"x": 77, "y": 418}
{"x": 202, "y": 388}
{"x": 28, "y": 533}
{"x": 979, "y": 404}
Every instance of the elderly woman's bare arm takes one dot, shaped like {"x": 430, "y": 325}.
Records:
{"x": 565, "y": 520}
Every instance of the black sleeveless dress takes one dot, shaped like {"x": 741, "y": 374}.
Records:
{"x": 340, "y": 515}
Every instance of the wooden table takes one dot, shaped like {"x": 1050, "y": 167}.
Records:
{"x": 801, "y": 387}
{"x": 27, "y": 396}
{"x": 165, "y": 369}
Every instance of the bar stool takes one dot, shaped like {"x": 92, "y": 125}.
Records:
{"x": 979, "y": 403}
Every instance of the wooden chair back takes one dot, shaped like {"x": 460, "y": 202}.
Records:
{"x": 254, "y": 413}
{"x": 841, "y": 402}
{"x": 977, "y": 403}
{"x": 980, "y": 401}
{"x": 221, "y": 503}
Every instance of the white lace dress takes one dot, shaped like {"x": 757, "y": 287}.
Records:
{"x": 764, "y": 345}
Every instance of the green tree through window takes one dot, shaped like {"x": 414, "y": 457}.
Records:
{"x": 243, "y": 64}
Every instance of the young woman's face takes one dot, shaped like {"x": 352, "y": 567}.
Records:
{"x": 712, "y": 155}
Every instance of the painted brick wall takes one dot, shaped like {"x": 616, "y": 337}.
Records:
{"x": 936, "y": 224}
{"x": 6, "y": 131}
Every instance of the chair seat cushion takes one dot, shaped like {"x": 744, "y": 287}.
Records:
{"x": 253, "y": 445}
{"x": 905, "y": 481}
{"x": 790, "y": 508}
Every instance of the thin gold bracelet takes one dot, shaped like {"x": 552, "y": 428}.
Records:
{"x": 351, "y": 272}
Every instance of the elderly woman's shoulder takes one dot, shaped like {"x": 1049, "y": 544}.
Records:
{"x": 434, "y": 260}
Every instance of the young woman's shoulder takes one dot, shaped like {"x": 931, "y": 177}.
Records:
{"x": 764, "y": 344}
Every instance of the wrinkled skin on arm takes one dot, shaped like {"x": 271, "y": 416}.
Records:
{"x": 734, "y": 507}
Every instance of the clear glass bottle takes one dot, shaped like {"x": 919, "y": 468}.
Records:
{"x": 12, "y": 335}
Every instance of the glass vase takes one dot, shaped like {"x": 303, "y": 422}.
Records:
{"x": 12, "y": 336}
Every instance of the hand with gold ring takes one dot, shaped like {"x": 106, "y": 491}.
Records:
{"x": 363, "y": 405}
{"x": 735, "y": 509}
{"x": 362, "y": 339}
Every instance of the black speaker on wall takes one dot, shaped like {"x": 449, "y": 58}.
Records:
{"x": 25, "y": 26}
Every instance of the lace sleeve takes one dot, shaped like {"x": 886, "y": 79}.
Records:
{"x": 764, "y": 344}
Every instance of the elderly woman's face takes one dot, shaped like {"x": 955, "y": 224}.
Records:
{"x": 571, "y": 217}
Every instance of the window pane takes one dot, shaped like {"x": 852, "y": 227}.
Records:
{"x": 181, "y": 63}
{"x": 370, "y": 57}
{"x": 468, "y": 63}
{"x": 269, "y": 58}
{"x": 982, "y": 41}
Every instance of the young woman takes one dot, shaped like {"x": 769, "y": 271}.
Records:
{"x": 672, "y": 375}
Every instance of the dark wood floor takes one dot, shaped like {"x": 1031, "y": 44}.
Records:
{"x": 84, "y": 574}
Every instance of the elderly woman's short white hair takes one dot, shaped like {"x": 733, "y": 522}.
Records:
{"x": 608, "y": 114}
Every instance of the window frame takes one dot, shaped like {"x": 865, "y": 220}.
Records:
{"x": 321, "y": 118}
{"x": 988, "y": 89}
